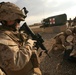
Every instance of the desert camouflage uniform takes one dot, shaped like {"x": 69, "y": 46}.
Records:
{"x": 1, "y": 72}
{"x": 61, "y": 39}
{"x": 15, "y": 49}
{"x": 73, "y": 53}
{"x": 15, "y": 56}
{"x": 69, "y": 48}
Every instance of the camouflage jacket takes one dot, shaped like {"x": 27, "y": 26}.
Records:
{"x": 60, "y": 38}
{"x": 13, "y": 54}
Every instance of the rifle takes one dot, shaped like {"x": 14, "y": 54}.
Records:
{"x": 37, "y": 37}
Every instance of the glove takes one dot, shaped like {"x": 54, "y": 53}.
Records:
{"x": 31, "y": 42}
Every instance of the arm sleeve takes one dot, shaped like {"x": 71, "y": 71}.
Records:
{"x": 12, "y": 57}
{"x": 62, "y": 37}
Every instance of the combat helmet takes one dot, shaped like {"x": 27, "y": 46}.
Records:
{"x": 9, "y": 11}
{"x": 68, "y": 32}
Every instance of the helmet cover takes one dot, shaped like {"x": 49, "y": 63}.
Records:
{"x": 9, "y": 11}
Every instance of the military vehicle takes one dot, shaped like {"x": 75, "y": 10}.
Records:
{"x": 57, "y": 20}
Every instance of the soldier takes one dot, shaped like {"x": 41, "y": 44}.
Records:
{"x": 72, "y": 55}
{"x": 16, "y": 49}
{"x": 66, "y": 42}
{"x": 70, "y": 23}
{"x": 74, "y": 22}
{"x": 60, "y": 40}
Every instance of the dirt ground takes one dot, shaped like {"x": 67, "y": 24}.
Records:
{"x": 55, "y": 65}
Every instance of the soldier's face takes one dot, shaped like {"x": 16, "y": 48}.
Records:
{"x": 13, "y": 24}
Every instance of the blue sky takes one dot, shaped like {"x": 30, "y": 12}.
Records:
{"x": 40, "y": 9}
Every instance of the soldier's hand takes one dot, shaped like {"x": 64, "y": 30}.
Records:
{"x": 31, "y": 42}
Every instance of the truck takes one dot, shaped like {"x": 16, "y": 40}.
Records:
{"x": 57, "y": 20}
